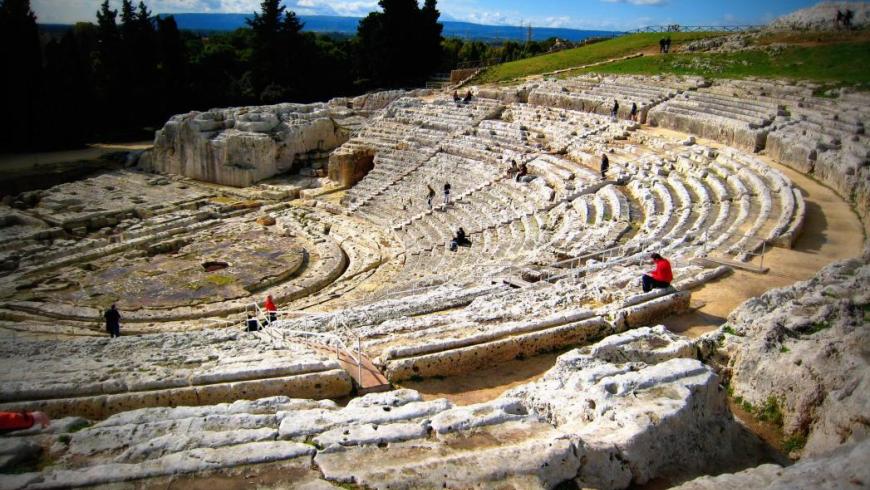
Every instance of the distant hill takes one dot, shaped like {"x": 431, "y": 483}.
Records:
{"x": 347, "y": 25}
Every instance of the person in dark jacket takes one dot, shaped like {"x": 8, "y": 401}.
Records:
{"x": 633, "y": 114}
{"x": 113, "y": 322}
{"x": 467, "y": 98}
{"x": 430, "y": 195}
{"x": 661, "y": 277}
{"x": 251, "y": 324}
{"x": 615, "y": 110}
{"x": 605, "y": 165}
{"x": 446, "y": 193}
{"x": 459, "y": 240}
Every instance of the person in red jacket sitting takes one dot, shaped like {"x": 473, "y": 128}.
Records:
{"x": 271, "y": 311}
{"x": 22, "y": 420}
{"x": 659, "y": 278}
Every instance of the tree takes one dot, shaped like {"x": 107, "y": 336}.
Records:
{"x": 277, "y": 52}
{"x": 402, "y": 44}
{"x": 21, "y": 59}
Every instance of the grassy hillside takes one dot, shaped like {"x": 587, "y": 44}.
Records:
{"x": 593, "y": 53}
{"x": 846, "y": 62}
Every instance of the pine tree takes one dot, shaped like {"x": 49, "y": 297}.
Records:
{"x": 401, "y": 45}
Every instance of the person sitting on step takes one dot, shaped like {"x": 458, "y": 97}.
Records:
{"x": 251, "y": 324}
{"x": 459, "y": 240}
{"x": 661, "y": 277}
{"x": 271, "y": 310}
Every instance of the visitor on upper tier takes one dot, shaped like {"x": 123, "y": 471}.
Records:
{"x": 513, "y": 169}
{"x": 661, "y": 277}
{"x": 251, "y": 324}
{"x": 667, "y": 44}
{"x": 459, "y": 240}
{"x": 605, "y": 165}
{"x": 271, "y": 311}
{"x": 430, "y": 194}
{"x": 467, "y": 98}
{"x": 446, "y": 193}
{"x": 113, "y": 322}
{"x": 633, "y": 114}
{"x": 523, "y": 174}
{"x": 456, "y": 97}
{"x": 662, "y": 45}
{"x": 22, "y": 420}
{"x": 615, "y": 109}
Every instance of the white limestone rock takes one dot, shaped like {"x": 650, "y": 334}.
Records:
{"x": 803, "y": 348}
{"x": 634, "y": 421}
{"x": 845, "y": 467}
{"x": 822, "y": 16}
{"x": 243, "y": 145}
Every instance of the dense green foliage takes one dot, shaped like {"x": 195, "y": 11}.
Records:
{"x": 21, "y": 59}
{"x": 126, "y": 74}
{"x": 401, "y": 45}
{"x": 461, "y": 53}
{"x": 593, "y": 53}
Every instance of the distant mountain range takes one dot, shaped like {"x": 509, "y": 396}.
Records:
{"x": 347, "y": 25}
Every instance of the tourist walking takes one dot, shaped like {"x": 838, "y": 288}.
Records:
{"x": 446, "y": 193}
{"x": 667, "y": 44}
{"x": 605, "y": 165}
{"x": 113, "y": 322}
{"x": 271, "y": 310}
{"x": 615, "y": 110}
{"x": 662, "y": 45}
{"x": 633, "y": 114}
{"x": 429, "y": 196}
{"x": 661, "y": 277}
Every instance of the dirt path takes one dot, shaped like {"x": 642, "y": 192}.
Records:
{"x": 831, "y": 232}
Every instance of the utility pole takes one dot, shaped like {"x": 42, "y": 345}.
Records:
{"x": 529, "y": 34}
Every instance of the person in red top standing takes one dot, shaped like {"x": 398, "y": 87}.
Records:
{"x": 271, "y": 311}
{"x": 661, "y": 277}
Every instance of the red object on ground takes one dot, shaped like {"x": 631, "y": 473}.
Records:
{"x": 269, "y": 305}
{"x": 15, "y": 420}
{"x": 663, "y": 271}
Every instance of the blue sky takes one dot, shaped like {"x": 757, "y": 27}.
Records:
{"x": 589, "y": 14}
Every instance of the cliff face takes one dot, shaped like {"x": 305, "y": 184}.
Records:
{"x": 240, "y": 146}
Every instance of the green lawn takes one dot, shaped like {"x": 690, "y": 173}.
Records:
{"x": 845, "y": 62}
{"x": 593, "y": 53}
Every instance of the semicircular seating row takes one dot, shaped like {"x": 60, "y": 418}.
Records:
{"x": 660, "y": 195}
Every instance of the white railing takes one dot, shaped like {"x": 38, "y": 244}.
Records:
{"x": 705, "y": 250}
{"x": 275, "y": 328}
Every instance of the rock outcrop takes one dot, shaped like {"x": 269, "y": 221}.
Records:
{"x": 800, "y": 354}
{"x": 822, "y": 16}
{"x": 845, "y": 467}
{"x": 242, "y": 145}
